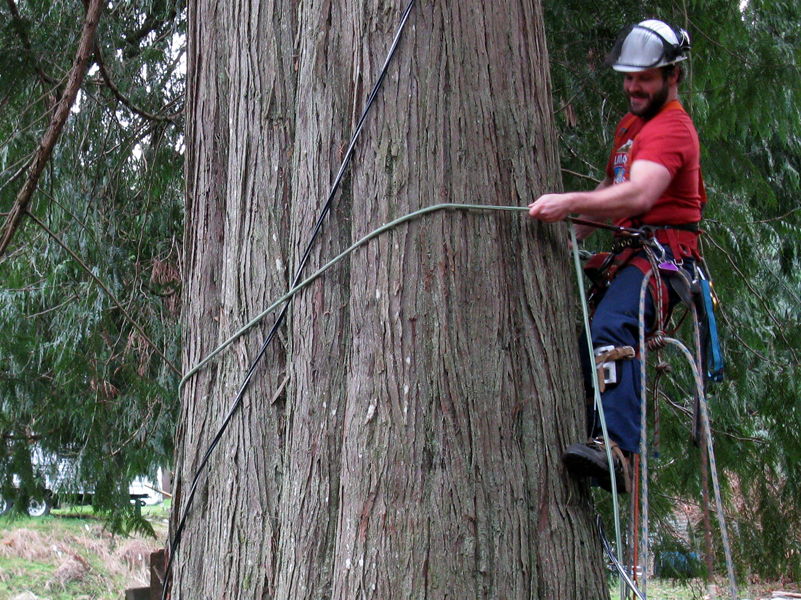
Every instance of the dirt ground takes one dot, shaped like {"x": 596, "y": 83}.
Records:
{"x": 71, "y": 558}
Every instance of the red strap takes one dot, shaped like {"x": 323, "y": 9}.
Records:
{"x": 682, "y": 243}
{"x": 644, "y": 265}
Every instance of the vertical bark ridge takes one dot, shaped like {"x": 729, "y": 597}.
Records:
{"x": 242, "y": 55}
{"x": 310, "y": 501}
{"x": 459, "y": 131}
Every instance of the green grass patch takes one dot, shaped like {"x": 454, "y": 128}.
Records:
{"x": 70, "y": 554}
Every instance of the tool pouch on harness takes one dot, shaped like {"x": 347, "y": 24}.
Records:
{"x": 606, "y": 358}
{"x": 710, "y": 343}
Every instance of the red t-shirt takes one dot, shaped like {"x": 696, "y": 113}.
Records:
{"x": 669, "y": 139}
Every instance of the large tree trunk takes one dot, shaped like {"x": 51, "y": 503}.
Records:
{"x": 433, "y": 378}
{"x": 239, "y": 135}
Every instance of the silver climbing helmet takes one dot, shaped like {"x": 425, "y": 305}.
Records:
{"x": 647, "y": 45}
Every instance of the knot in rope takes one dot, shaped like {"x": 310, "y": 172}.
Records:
{"x": 662, "y": 367}
{"x": 657, "y": 340}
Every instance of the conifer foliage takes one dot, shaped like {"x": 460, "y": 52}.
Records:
{"x": 90, "y": 286}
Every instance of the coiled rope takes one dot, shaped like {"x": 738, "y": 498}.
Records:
{"x": 696, "y": 367}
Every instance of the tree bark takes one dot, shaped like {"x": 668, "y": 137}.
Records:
{"x": 326, "y": 104}
{"x": 433, "y": 379}
{"x": 240, "y": 93}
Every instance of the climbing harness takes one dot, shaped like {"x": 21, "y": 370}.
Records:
{"x": 658, "y": 266}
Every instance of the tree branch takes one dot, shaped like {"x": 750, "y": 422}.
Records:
{"x": 780, "y": 327}
{"x": 119, "y": 96}
{"x": 26, "y": 44}
{"x": 151, "y": 24}
{"x": 108, "y": 292}
{"x": 581, "y": 175}
{"x": 60, "y": 116}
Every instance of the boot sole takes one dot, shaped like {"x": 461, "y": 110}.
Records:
{"x": 579, "y": 464}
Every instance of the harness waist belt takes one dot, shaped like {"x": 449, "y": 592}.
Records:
{"x": 682, "y": 242}
{"x": 682, "y": 239}
{"x": 679, "y": 226}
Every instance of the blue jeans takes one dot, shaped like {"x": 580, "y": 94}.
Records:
{"x": 616, "y": 323}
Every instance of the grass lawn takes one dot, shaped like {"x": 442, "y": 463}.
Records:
{"x": 664, "y": 589}
{"x": 695, "y": 589}
{"x": 68, "y": 555}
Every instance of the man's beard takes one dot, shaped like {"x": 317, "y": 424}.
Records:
{"x": 656, "y": 103}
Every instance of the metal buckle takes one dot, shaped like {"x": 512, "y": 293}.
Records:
{"x": 654, "y": 243}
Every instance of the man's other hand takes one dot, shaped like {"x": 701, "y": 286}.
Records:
{"x": 550, "y": 207}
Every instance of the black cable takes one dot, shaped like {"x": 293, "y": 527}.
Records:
{"x": 174, "y": 544}
{"x": 611, "y": 554}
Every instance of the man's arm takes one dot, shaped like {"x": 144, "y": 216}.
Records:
{"x": 647, "y": 181}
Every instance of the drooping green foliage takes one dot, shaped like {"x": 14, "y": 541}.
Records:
{"x": 743, "y": 89}
{"x": 79, "y": 383}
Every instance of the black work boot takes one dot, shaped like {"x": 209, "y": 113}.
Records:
{"x": 590, "y": 460}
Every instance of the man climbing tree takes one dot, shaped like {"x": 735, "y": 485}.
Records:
{"x": 653, "y": 180}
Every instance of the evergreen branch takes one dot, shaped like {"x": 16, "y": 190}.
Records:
{"x": 567, "y": 102}
{"x": 26, "y": 162}
{"x": 10, "y": 256}
{"x": 779, "y": 326}
{"x": 150, "y": 24}
{"x": 760, "y": 222}
{"x": 108, "y": 292}
{"x": 687, "y": 412}
{"x": 738, "y": 57}
{"x": 575, "y": 154}
{"x": 60, "y": 116}
{"x": 119, "y": 95}
{"x": 52, "y": 308}
{"x": 30, "y": 126}
{"x": 70, "y": 214}
{"x": 780, "y": 218}
{"x": 26, "y": 44}
{"x": 734, "y": 332}
{"x": 581, "y": 175}
{"x": 137, "y": 431}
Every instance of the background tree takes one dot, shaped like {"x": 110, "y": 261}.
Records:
{"x": 430, "y": 391}
{"x": 99, "y": 253}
